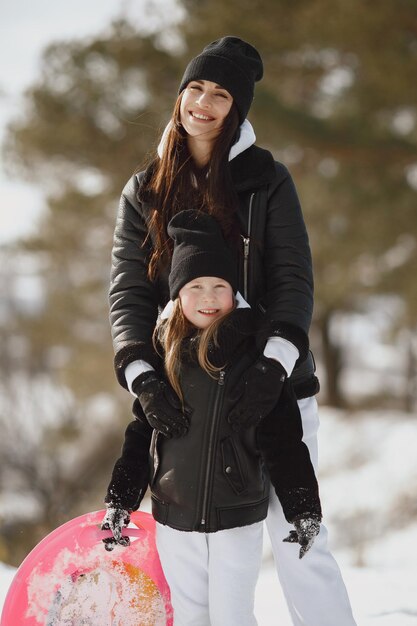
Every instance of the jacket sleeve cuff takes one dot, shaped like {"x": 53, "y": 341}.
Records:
{"x": 282, "y": 351}
{"x": 299, "y": 502}
{"x": 293, "y": 334}
{"x": 135, "y": 369}
{"x": 127, "y": 486}
{"x": 134, "y": 352}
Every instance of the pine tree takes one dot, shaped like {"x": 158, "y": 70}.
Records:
{"x": 337, "y": 105}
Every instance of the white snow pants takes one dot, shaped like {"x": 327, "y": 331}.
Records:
{"x": 212, "y": 577}
{"x": 313, "y": 586}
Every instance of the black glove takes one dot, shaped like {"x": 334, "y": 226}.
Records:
{"x": 115, "y": 520}
{"x": 161, "y": 405}
{"x": 306, "y": 530}
{"x": 257, "y": 393}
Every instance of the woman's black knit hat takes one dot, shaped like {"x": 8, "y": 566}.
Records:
{"x": 199, "y": 250}
{"x": 231, "y": 63}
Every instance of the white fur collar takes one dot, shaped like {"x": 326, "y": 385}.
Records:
{"x": 246, "y": 139}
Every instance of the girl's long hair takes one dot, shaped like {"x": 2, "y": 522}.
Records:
{"x": 169, "y": 335}
{"x": 171, "y": 189}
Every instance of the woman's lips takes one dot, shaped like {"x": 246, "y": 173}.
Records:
{"x": 201, "y": 117}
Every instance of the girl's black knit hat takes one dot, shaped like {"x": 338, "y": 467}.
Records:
{"x": 199, "y": 250}
{"x": 231, "y": 63}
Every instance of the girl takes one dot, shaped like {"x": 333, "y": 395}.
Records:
{"x": 207, "y": 161}
{"x": 211, "y": 482}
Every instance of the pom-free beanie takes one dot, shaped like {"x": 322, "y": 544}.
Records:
{"x": 199, "y": 250}
{"x": 231, "y": 63}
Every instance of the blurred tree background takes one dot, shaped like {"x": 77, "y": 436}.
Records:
{"x": 337, "y": 105}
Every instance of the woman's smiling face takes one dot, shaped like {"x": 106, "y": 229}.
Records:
{"x": 204, "y": 107}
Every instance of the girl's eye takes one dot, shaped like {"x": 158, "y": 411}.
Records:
{"x": 221, "y": 95}
{"x": 197, "y": 87}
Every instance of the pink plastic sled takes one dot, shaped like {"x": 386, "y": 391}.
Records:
{"x": 69, "y": 579}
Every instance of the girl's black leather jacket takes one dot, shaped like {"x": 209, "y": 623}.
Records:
{"x": 212, "y": 478}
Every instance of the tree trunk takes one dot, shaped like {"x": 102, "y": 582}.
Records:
{"x": 332, "y": 357}
{"x": 410, "y": 394}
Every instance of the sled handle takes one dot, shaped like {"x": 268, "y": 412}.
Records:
{"x": 94, "y": 533}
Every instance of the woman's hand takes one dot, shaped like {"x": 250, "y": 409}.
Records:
{"x": 161, "y": 405}
{"x": 257, "y": 393}
{"x": 306, "y": 530}
{"x": 115, "y": 520}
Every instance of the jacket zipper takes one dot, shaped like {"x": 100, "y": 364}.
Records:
{"x": 155, "y": 456}
{"x": 211, "y": 446}
{"x": 246, "y": 242}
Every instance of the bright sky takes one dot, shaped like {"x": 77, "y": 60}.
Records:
{"x": 26, "y": 28}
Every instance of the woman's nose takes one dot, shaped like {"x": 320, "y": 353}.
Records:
{"x": 203, "y": 99}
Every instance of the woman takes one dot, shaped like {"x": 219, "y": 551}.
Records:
{"x": 207, "y": 160}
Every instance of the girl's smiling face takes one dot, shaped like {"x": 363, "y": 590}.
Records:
{"x": 204, "y": 107}
{"x": 206, "y": 299}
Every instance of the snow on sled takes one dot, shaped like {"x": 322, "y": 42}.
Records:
{"x": 69, "y": 579}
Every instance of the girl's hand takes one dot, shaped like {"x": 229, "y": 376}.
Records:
{"x": 306, "y": 530}
{"x": 115, "y": 520}
{"x": 161, "y": 405}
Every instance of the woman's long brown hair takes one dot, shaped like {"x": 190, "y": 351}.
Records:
{"x": 170, "y": 188}
{"x": 170, "y": 333}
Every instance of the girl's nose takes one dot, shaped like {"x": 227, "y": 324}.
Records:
{"x": 209, "y": 296}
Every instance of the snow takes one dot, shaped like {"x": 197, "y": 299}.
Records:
{"x": 368, "y": 481}
{"x": 385, "y": 597}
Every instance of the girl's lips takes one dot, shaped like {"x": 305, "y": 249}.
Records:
{"x": 208, "y": 311}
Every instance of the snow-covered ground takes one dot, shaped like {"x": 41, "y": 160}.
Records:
{"x": 379, "y": 596}
{"x": 368, "y": 481}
